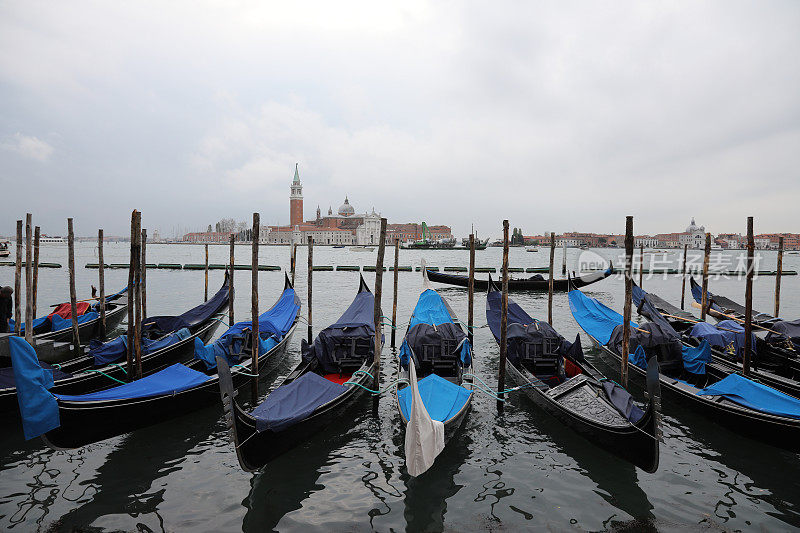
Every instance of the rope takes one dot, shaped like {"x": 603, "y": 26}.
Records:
{"x": 375, "y": 392}
{"x": 104, "y": 374}
{"x": 245, "y": 373}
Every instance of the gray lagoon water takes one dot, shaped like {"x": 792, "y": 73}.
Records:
{"x": 521, "y": 470}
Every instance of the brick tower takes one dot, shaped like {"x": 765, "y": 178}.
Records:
{"x": 296, "y": 200}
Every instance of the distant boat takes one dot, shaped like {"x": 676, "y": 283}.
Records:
{"x": 338, "y": 245}
{"x": 4, "y": 251}
{"x": 44, "y": 239}
{"x": 361, "y": 248}
{"x": 531, "y": 249}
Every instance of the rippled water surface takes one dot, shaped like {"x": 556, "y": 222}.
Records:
{"x": 522, "y": 469}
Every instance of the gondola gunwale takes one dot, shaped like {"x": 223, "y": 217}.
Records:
{"x": 720, "y": 410}
{"x": 521, "y": 284}
{"x": 615, "y": 439}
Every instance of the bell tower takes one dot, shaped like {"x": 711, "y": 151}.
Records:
{"x": 296, "y": 200}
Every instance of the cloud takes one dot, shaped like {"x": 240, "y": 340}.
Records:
{"x": 27, "y": 146}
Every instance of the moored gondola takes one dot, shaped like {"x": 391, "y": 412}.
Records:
{"x": 536, "y": 282}
{"x": 333, "y": 373}
{"x": 175, "y": 390}
{"x": 746, "y": 407}
{"x": 727, "y": 343}
{"x": 165, "y": 340}
{"x": 437, "y": 349}
{"x": 554, "y": 374}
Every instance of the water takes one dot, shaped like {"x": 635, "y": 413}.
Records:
{"x": 519, "y": 470}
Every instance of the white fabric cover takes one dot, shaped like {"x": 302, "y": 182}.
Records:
{"x": 424, "y": 436}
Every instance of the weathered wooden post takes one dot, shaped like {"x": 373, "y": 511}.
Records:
{"x": 550, "y": 281}
{"x": 683, "y": 271}
{"x": 501, "y": 374}
{"x": 137, "y": 295}
{"x": 293, "y": 259}
{"x": 748, "y": 299}
{"x": 143, "y": 276}
{"x": 626, "y": 314}
{"x": 471, "y": 288}
{"x": 778, "y": 278}
{"x": 206, "y": 270}
{"x": 73, "y": 298}
{"x": 28, "y": 278}
{"x": 36, "y": 235}
{"x": 101, "y": 281}
{"x": 254, "y": 309}
{"x": 18, "y": 283}
{"x": 131, "y": 300}
{"x": 704, "y": 300}
{"x": 641, "y": 263}
{"x": 377, "y": 313}
{"x": 310, "y": 280}
{"x": 564, "y": 257}
{"x": 394, "y": 297}
{"x": 230, "y": 283}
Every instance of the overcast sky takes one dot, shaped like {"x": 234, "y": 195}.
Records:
{"x": 556, "y": 115}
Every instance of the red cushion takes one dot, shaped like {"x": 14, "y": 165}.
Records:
{"x": 338, "y": 378}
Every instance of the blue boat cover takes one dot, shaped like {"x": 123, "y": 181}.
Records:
{"x": 59, "y": 323}
{"x": 7, "y": 379}
{"x": 294, "y": 402}
{"x": 431, "y": 309}
{"x": 272, "y": 326}
{"x": 697, "y": 294}
{"x": 622, "y": 400}
{"x": 36, "y": 323}
{"x": 695, "y": 359}
{"x": 37, "y": 406}
{"x": 116, "y": 349}
{"x": 593, "y": 317}
{"x": 638, "y": 358}
{"x": 357, "y": 322}
{"x": 784, "y": 330}
{"x": 171, "y": 380}
{"x": 442, "y": 399}
{"x": 728, "y": 334}
{"x": 754, "y": 395}
{"x": 192, "y": 317}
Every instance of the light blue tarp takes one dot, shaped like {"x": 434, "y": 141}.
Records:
{"x": 59, "y": 323}
{"x": 754, "y": 395}
{"x": 36, "y": 323}
{"x": 173, "y": 379}
{"x": 292, "y": 403}
{"x": 695, "y": 359}
{"x": 638, "y": 358}
{"x": 442, "y": 399}
{"x": 37, "y": 406}
{"x": 431, "y": 309}
{"x": 595, "y": 318}
{"x": 272, "y": 326}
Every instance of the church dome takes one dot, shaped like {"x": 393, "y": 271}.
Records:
{"x": 346, "y": 209}
{"x": 693, "y": 228}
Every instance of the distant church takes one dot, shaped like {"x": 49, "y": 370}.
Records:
{"x": 346, "y": 227}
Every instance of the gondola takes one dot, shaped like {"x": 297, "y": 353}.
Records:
{"x": 57, "y": 326}
{"x": 727, "y": 343}
{"x": 533, "y": 283}
{"x": 173, "y": 391}
{"x": 441, "y": 354}
{"x": 759, "y": 412}
{"x": 330, "y": 377}
{"x": 166, "y": 340}
{"x": 554, "y": 374}
{"x": 777, "y": 340}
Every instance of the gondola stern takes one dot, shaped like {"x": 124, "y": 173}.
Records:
{"x": 362, "y": 285}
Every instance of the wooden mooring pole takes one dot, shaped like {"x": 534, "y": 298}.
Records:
{"x": 550, "y": 281}
{"x": 778, "y": 278}
{"x": 394, "y": 297}
{"x": 131, "y": 298}
{"x": 310, "y": 287}
{"x": 683, "y": 272}
{"x": 18, "y": 283}
{"x": 748, "y": 299}
{"x": 101, "y": 281}
{"x": 73, "y": 298}
{"x": 29, "y": 278}
{"x": 36, "y": 236}
{"x": 137, "y": 295}
{"x": 501, "y": 374}
{"x": 626, "y": 313}
{"x": 254, "y": 307}
{"x": 641, "y": 263}
{"x": 206, "y": 270}
{"x": 143, "y": 268}
{"x": 564, "y": 257}
{"x": 471, "y": 288}
{"x": 293, "y": 260}
{"x": 704, "y": 300}
{"x": 231, "y": 291}
{"x": 377, "y": 313}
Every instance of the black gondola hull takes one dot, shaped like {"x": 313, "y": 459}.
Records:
{"x": 519, "y": 284}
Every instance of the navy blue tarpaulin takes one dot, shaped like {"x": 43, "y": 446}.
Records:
{"x": 295, "y": 401}
{"x": 171, "y": 380}
{"x": 272, "y": 326}
{"x": 116, "y": 349}
{"x": 37, "y": 406}
{"x": 191, "y": 318}
{"x": 754, "y": 395}
{"x": 357, "y": 322}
